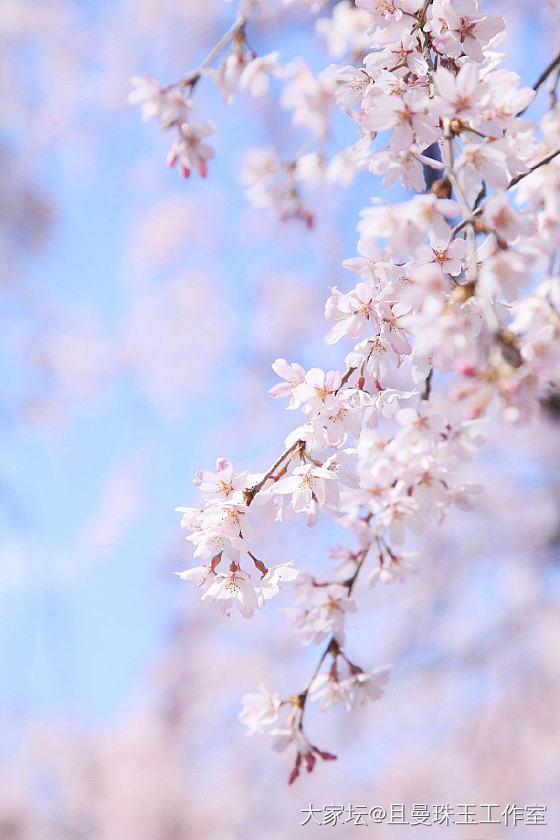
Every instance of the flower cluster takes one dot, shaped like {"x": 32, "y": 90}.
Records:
{"x": 458, "y": 284}
{"x": 172, "y": 108}
{"x": 240, "y": 70}
{"x": 221, "y": 533}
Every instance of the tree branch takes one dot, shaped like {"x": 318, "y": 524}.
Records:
{"x": 193, "y": 77}
{"x": 475, "y": 213}
{"x": 332, "y": 645}
{"x": 547, "y": 71}
{"x": 251, "y": 492}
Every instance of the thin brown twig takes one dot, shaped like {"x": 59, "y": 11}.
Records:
{"x": 345, "y": 378}
{"x": 192, "y": 77}
{"x": 332, "y": 645}
{"x": 475, "y": 213}
{"x": 550, "y": 156}
{"x": 251, "y": 492}
{"x": 547, "y": 71}
{"x": 471, "y": 269}
{"x": 427, "y": 389}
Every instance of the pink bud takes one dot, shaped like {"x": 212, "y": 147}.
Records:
{"x": 310, "y": 761}
{"x": 327, "y": 756}
{"x": 465, "y": 368}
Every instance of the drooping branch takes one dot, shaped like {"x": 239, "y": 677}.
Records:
{"x": 554, "y": 64}
{"x": 471, "y": 217}
{"x": 236, "y": 27}
{"x": 251, "y": 492}
{"x": 332, "y": 645}
{"x": 550, "y": 156}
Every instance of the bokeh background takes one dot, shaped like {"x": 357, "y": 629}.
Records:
{"x": 140, "y": 315}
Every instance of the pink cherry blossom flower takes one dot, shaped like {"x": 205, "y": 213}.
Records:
{"x": 480, "y": 163}
{"x": 220, "y": 528}
{"x": 393, "y": 567}
{"x": 326, "y": 614}
{"x": 406, "y": 165}
{"x": 222, "y": 484}
{"x": 190, "y": 150}
{"x": 254, "y": 77}
{"x": 234, "y": 588}
{"x": 306, "y": 753}
{"x": 260, "y": 710}
{"x": 502, "y": 273}
{"x": 294, "y": 375}
{"x": 353, "y": 690}
{"x": 310, "y": 97}
{"x": 330, "y": 690}
{"x": 318, "y": 389}
{"x": 466, "y": 29}
{"x": 309, "y": 485}
{"x": 228, "y": 74}
{"x": 501, "y": 109}
{"x": 421, "y": 421}
{"x": 507, "y": 222}
{"x": 398, "y": 53}
{"x": 271, "y": 183}
{"x": 350, "y": 84}
{"x": 168, "y": 104}
{"x": 368, "y": 685}
{"x": 351, "y": 312}
{"x": 389, "y": 22}
{"x": 345, "y": 30}
{"x": 202, "y": 575}
{"x": 460, "y": 95}
{"x": 410, "y": 116}
{"x": 270, "y": 582}
{"x": 448, "y": 256}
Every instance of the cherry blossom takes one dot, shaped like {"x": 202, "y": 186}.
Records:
{"x": 172, "y": 108}
{"x": 271, "y": 582}
{"x": 310, "y": 98}
{"x": 233, "y": 588}
{"x": 345, "y": 30}
{"x": 309, "y": 488}
{"x": 452, "y": 318}
{"x": 294, "y": 375}
{"x": 326, "y": 615}
{"x": 422, "y": 440}
{"x": 306, "y": 753}
{"x": 465, "y": 29}
{"x": 260, "y": 709}
{"x": 190, "y": 150}
{"x": 318, "y": 390}
{"x": 352, "y": 690}
{"x": 222, "y": 484}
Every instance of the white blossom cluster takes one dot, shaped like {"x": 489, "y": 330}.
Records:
{"x": 459, "y": 282}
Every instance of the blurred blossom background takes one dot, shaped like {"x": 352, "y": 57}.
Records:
{"x": 140, "y": 316}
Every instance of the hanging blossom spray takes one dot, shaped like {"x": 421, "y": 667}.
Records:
{"x": 454, "y": 314}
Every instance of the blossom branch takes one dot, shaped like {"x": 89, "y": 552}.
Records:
{"x": 554, "y": 64}
{"x": 250, "y": 492}
{"x": 472, "y": 216}
{"x": 409, "y": 311}
{"x": 332, "y": 645}
{"x": 346, "y": 376}
{"x": 546, "y": 159}
{"x": 234, "y": 30}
